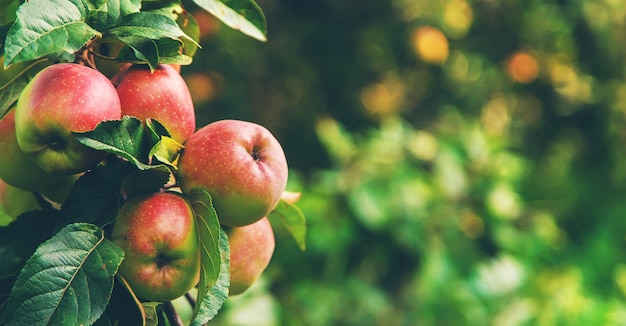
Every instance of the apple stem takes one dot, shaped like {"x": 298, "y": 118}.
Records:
{"x": 101, "y": 56}
{"x": 190, "y": 299}
{"x": 85, "y": 56}
{"x": 172, "y": 315}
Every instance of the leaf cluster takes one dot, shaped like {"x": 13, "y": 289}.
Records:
{"x": 146, "y": 32}
{"x": 58, "y": 265}
{"x": 63, "y": 271}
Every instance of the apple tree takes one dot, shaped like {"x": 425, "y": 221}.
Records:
{"x": 113, "y": 202}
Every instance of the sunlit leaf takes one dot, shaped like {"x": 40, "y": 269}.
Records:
{"x": 209, "y": 306}
{"x": 293, "y": 219}
{"x": 211, "y": 258}
{"x": 190, "y": 26}
{"x": 243, "y": 15}
{"x": 45, "y": 27}
{"x": 166, "y": 151}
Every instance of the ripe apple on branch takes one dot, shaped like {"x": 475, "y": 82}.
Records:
{"x": 127, "y": 192}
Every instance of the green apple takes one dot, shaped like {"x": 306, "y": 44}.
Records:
{"x": 61, "y": 99}
{"x": 251, "y": 249}
{"x": 58, "y": 191}
{"x": 15, "y": 201}
{"x": 161, "y": 94}
{"x": 17, "y": 168}
{"x": 241, "y": 164}
{"x": 162, "y": 252}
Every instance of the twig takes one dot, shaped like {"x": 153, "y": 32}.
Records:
{"x": 190, "y": 299}
{"x": 172, "y": 315}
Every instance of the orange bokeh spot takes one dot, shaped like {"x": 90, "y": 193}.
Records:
{"x": 201, "y": 86}
{"x": 522, "y": 67}
{"x": 207, "y": 23}
{"x": 430, "y": 44}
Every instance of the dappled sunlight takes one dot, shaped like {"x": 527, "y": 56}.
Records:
{"x": 569, "y": 83}
{"x": 522, "y": 67}
{"x": 383, "y": 98}
{"x": 462, "y": 162}
{"x": 458, "y": 17}
{"x": 430, "y": 44}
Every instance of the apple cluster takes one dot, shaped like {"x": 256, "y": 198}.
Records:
{"x": 239, "y": 163}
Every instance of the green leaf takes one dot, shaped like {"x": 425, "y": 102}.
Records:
{"x": 147, "y": 25}
{"x": 103, "y": 321}
{"x": 19, "y": 240}
{"x": 123, "y": 308}
{"x": 109, "y": 13}
{"x": 138, "y": 49}
{"x": 10, "y": 92}
{"x": 85, "y": 6}
{"x": 145, "y": 181}
{"x": 20, "y": 75}
{"x": 190, "y": 26}
{"x": 93, "y": 5}
{"x": 212, "y": 302}
{"x": 172, "y": 52}
{"x": 4, "y": 30}
{"x": 160, "y": 7}
{"x": 151, "y": 310}
{"x": 243, "y": 15}
{"x": 45, "y": 27}
{"x": 5, "y": 219}
{"x": 156, "y": 129}
{"x": 146, "y": 51}
{"x": 209, "y": 235}
{"x": 126, "y": 137}
{"x": 293, "y": 219}
{"x": 67, "y": 281}
{"x": 7, "y": 14}
{"x": 94, "y": 197}
{"x": 150, "y": 38}
{"x": 166, "y": 151}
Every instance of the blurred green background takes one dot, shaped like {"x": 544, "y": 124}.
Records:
{"x": 462, "y": 162}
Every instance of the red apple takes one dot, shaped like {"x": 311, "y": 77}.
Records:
{"x": 162, "y": 252}
{"x": 251, "y": 249}
{"x": 161, "y": 94}
{"x": 16, "y": 168}
{"x": 242, "y": 166}
{"x": 61, "y": 99}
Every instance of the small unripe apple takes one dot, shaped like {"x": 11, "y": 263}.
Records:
{"x": 241, "y": 164}
{"x": 162, "y": 252}
{"x": 251, "y": 249}
{"x": 61, "y": 99}
{"x": 58, "y": 191}
{"x": 16, "y": 168}
{"x": 15, "y": 201}
{"x": 161, "y": 94}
